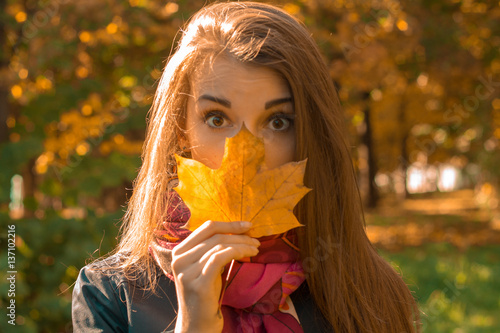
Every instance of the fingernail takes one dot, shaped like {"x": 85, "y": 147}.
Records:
{"x": 245, "y": 224}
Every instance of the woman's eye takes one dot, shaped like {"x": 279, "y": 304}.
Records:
{"x": 279, "y": 124}
{"x": 215, "y": 120}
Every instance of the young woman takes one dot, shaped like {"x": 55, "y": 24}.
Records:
{"x": 245, "y": 64}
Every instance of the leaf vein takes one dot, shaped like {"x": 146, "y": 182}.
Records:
{"x": 208, "y": 193}
{"x": 277, "y": 189}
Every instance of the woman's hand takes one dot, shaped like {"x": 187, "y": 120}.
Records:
{"x": 197, "y": 263}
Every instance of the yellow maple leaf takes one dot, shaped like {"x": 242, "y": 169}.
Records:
{"x": 242, "y": 188}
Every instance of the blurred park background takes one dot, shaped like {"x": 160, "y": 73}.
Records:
{"x": 420, "y": 84}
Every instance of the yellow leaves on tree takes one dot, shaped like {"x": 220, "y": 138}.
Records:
{"x": 243, "y": 188}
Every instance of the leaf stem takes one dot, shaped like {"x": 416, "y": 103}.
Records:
{"x": 224, "y": 287}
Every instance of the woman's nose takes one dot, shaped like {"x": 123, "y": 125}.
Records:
{"x": 254, "y": 129}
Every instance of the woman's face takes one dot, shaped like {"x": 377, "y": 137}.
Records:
{"x": 229, "y": 94}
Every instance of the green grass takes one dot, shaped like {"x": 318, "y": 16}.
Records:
{"x": 458, "y": 292}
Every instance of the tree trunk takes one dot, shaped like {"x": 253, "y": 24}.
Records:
{"x": 404, "y": 163}
{"x": 404, "y": 157}
{"x": 367, "y": 139}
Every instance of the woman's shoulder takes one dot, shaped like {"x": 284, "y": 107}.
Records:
{"x": 112, "y": 279}
{"x": 97, "y": 294}
{"x": 111, "y": 270}
{"x": 107, "y": 270}
{"x": 112, "y": 262}
{"x": 105, "y": 297}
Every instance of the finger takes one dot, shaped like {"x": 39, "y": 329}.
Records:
{"x": 196, "y": 254}
{"x": 203, "y": 269}
{"x": 222, "y": 255}
{"x": 210, "y": 228}
{"x": 236, "y": 248}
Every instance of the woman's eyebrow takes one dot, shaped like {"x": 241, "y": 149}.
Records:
{"x": 218, "y": 100}
{"x": 278, "y": 101}
{"x": 226, "y": 103}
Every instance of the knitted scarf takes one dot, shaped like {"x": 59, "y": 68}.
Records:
{"x": 256, "y": 298}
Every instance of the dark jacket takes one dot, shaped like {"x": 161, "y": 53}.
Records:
{"x": 111, "y": 303}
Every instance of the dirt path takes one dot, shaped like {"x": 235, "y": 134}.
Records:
{"x": 456, "y": 219}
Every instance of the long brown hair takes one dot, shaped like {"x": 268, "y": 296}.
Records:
{"x": 355, "y": 289}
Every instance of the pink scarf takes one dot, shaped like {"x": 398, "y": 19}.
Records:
{"x": 255, "y": 300}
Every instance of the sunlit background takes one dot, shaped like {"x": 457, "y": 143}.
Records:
{"x": 420, "y": 85}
